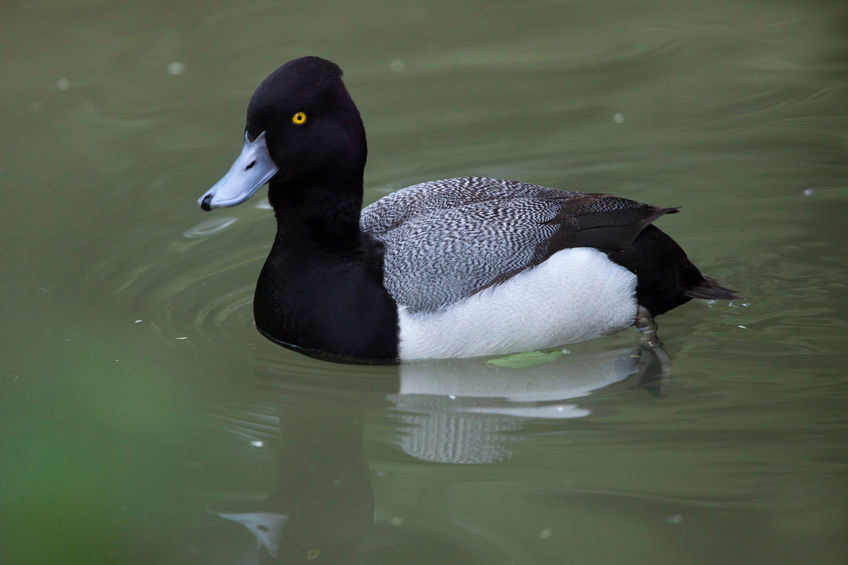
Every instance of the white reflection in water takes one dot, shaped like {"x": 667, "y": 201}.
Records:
{"x": 266, "y": 527}
{"x": 462, "y": 411}
{"x": 208, "y": 227}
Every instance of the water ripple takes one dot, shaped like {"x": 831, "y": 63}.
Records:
{"x": 192, "y": 288}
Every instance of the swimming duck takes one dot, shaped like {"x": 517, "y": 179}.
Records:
{"x": 460, "y": 267}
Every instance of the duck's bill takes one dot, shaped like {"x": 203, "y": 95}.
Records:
{"x": 253, "y": 168}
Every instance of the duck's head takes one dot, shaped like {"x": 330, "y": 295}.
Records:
{"x": 302, "y": 130}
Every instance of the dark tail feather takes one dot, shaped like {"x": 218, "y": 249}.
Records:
{"x": 710, "y": 288}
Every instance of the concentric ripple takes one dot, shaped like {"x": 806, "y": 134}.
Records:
{"x": 192, "y": 285}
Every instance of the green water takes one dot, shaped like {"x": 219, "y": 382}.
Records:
{"x": 144, "y": 420}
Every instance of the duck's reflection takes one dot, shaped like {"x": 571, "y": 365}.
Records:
{"x": 323, "y": 505}
{"x": 466, "y": 411}
{"x": 321, "y": 509}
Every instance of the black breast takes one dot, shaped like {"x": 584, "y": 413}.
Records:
{"x": 328, "y": 304}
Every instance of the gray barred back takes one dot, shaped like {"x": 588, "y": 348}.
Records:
{"x": 445, "y": 240}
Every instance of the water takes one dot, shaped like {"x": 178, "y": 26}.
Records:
{"x": 144, "y": 420}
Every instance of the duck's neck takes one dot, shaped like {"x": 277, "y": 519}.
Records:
{"x": 319, "y": 214}
{"x": 321, "y": 289}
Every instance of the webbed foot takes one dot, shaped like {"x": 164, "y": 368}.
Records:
{"x": 654, "y": 361}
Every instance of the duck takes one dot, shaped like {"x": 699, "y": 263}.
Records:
{"x": 453, "y": 268}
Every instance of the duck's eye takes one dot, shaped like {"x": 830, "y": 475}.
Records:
{"x": 299, "y": 119}
{"x": 313, "y": 554}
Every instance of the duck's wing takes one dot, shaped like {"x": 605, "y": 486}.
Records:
{"x": 445, "y": 240}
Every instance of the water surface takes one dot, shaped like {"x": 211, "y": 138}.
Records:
{"x": 144, "y": 420}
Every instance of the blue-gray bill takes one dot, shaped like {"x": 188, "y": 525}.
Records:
{"x": 252, "y": 169}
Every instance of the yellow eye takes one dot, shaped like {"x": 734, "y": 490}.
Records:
{"x": 299, "y": 119}
{"x": 313, "y": 554}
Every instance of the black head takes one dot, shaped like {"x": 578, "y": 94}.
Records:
{"x": 312, "y": 128}
{"x": 303, "y": 130}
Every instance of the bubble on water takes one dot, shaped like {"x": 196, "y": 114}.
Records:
{"x": 674, "y": 519}
{"x": 742, "y": 327}
{"x": 808, "y": 192}
{"x": 63, "y": 84}
{"x": 397, "y": 65}
{"x": 257, "y": 443}
{"x": 618, "y": 118}
{"x": 545, "y": 534}
{"x": 396, "y": 521}
{"x": 175, "y": 68}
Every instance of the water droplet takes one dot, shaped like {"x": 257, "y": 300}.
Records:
{"x": 674, "y": 519}
{"x": 182, "y": 337}
{"x": 545, "y": 534}
{"x": 63, "y": 84}
{"x": 257, "y": 443}
{"x": 808, "y": 192}
{"x": 618, "y": 118}
{"x": 742, "y": 327}
{"x": 138, "y": 321}
{"x": 396, "y": 521}
{"x": 397, "y": 65}
{"x": 176, "y": 68}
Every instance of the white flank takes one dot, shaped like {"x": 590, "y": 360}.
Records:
{"x": 577, "y": 294}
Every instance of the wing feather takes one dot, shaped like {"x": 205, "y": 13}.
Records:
{"x": 445, "y": 240}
